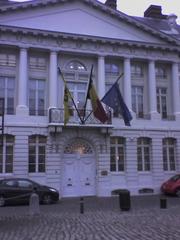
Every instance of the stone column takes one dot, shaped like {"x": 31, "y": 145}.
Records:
{"x": 101, "y": 76}
{"x": 175, "y": 90}
{"x": 22, "y": 108}
{"x": 53, "y": 76}
{"x": 152, "y": 89}
{"x": 127, "y": 83}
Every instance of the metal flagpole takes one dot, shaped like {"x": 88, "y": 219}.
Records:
{"x": 2, "y": 115}
{"x": 60, "y": 72}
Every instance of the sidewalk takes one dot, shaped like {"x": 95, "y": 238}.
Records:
{"x": 102, "y": 220}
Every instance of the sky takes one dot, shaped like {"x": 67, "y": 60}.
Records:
{"x": 137, "y": 7}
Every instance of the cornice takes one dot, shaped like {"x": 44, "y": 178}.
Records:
{"x": 56, "y": 41}
{"x": 59, "y": 37}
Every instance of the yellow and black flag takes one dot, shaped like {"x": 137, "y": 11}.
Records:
{"x": 67, "y": 99}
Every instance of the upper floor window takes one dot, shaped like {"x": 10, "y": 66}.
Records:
{"x": 6, "y": 153}
{"x": 162, "y": 102}
{"x": 117, "y": 154}
{"x": 37, "y": 96}
{"x": 37, "y": 153}
{"x": 112, "y": 69}
{"x": 38, "y": 63}
{"x": 76, "y": 66}
{"x": 7, "y": 92}
{"x": 8, "y": 60}
{"x": 137, "y": 101}
{"x": 143, "y": 154}
{"x": 161, "y": 72}
{"x": 169, "y": 155}
{"x": 137, "y": 70}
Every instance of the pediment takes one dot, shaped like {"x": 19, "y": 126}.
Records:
{"x": 77, "y": 18}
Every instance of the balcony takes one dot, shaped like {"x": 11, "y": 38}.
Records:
{"x": 56, "y": 117}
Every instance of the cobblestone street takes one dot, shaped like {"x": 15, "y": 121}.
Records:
{"x": 102, "y": 220}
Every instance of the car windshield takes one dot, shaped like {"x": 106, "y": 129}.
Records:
{"x": 175, "y": 178}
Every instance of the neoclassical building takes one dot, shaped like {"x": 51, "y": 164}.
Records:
{"x": 93, "y": 158}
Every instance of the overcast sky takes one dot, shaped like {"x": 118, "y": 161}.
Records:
{"x": 137, "y": 7}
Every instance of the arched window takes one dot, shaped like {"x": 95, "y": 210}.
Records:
{"x": 76, "y": 76}
{"x": 37, "y": 153}
{"x": 143, "y": 154}
{"x": 78, "y": 146}
{"x": 169, "y": 154}
{"x": 6, "y": 153}
{"x": 76, "y": 66}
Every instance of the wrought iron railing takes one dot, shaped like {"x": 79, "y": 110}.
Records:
{"x": 56, "y": 116}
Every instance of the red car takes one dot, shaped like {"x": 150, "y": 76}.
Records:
{"x": 172, "y": 186}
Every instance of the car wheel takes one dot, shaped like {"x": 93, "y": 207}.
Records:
{"x": 178, "y": 192}
{"x": 2, "y": 201}
{"x": 47, "y": 199}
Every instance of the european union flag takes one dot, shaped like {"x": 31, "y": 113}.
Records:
{"x": 114, "y": 100}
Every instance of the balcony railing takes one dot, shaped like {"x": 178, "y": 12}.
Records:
{"x": 56, "y": 116}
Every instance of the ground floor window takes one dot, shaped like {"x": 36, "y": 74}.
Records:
{"x": 117, "y": 154}
{"x": 6, "y": 153}
{"x": 37, "y": 153}
{"x": 169, "y": 145}
{"x": 143, "y": 154}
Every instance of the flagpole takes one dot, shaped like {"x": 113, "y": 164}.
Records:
{"x": 85, "y": 104}
{"x": 60, "y": 72}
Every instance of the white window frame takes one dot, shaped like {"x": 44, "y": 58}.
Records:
{"x": 36, "y": 145}
{"x": 37, "y": 111}
{"x": 117, "y": 156}
{"x": 143, "y": 164}
{"x": 169, "y": 160}
{"x": 4, "y": 154}
{"x": 6, "y": 92}
{"x": 136, "y": 95}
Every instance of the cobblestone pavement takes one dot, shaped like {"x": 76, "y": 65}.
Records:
{"x": 102, "y": 220}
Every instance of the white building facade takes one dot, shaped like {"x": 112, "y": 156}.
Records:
{"x": 93, "y": 158}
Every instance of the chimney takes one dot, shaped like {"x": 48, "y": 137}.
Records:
{"x": 154, "y": 11}
{"x": 111, "y": 4}
{"x": 172, "y": 20}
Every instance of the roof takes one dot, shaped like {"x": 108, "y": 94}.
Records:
{"x": 157, "y": 27}
{"x": 161, "y": 25}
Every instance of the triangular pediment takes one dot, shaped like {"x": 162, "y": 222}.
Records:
{"x": 77, "y": 18}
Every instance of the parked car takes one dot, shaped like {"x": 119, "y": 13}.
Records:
{"x": 19, "y": 190}
{"x": 172, "y": 186}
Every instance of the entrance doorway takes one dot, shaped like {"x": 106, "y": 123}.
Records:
{"x": 79, "y": 170}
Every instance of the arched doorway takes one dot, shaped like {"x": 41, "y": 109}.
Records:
{"x": 78, "y": 169}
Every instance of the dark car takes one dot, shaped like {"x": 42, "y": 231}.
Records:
{"x": 172, "y": 186}
{"x": 19, "y": 190}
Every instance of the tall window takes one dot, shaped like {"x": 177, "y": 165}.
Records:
{"x": 137, "y": 101}
{"x": 7, "y": 91}
{"x": 161, "y": 72}
{"x": 162, "y": 102}
{"x": 37, "y": 153}
{"x": 112, "y": 69}
{"x": 117, "y": 154}
{"x": 37, "y": 63}
{"x": 6, "y": 154}
{"x": 7, "y": 60}
{"x": 137, "y": 70}
{"x": 77, "y": 76}
{"x": 37, "y": 97}
{"x": 169, "y": 146}
{"x": 143, "y": 154}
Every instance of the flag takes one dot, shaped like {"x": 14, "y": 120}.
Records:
{"x": 67, "y": 110}
{"x": 114, "y": 100}
{"x": 97, "y": 106}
